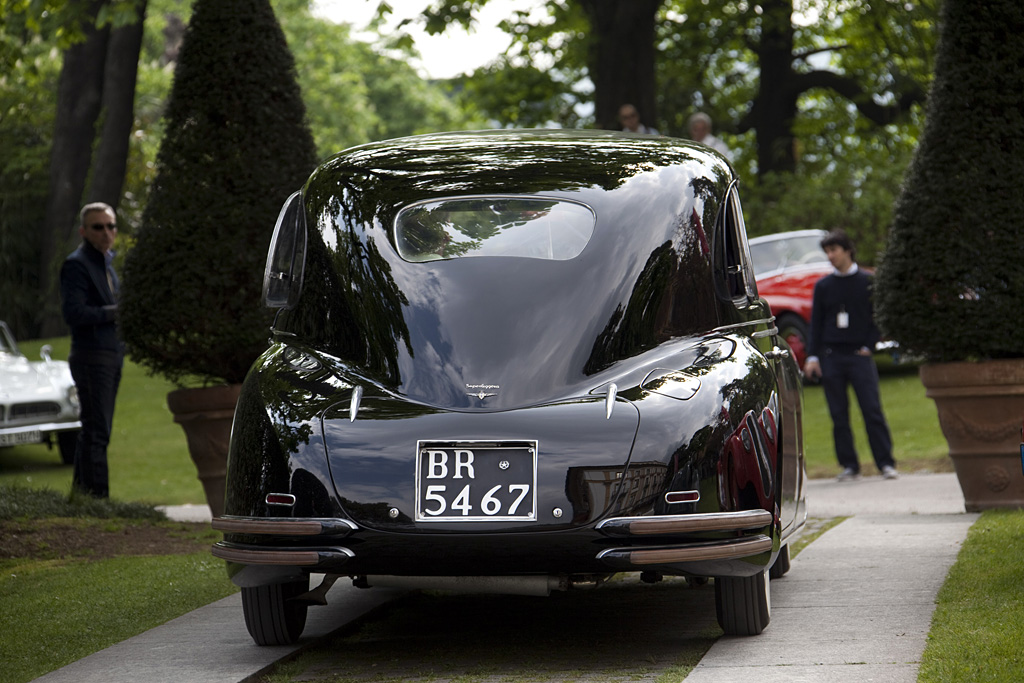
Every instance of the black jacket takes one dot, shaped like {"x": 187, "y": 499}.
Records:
{"x": 849, "y": 295}
{"x": 89, "y": 306}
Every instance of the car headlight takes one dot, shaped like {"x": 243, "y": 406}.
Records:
{"x": 72, "y": 396}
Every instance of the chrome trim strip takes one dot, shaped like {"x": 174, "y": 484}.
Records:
{"x": 609, "y": 400}
{"x": 46, "y": 427}
{"x": 353, "y": 406}
{"x": 740, "y": 326}
{"x": 292, "y": 558}
{"x": 284, "y": 526}
{"x": 693, "y": 553}
{"x": 683, "y": 524}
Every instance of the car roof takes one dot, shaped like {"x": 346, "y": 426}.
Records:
{"x": 787, "y": 235}
{"x": 645, "y": 276}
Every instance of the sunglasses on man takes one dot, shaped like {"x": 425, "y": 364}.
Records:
{"x": 100, "y": 226}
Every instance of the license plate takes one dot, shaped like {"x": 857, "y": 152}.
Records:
{"x": 20, "y": 438}
{"x": 476, "y": 481}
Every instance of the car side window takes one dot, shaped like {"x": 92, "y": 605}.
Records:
{"x": 734, "y": 265}
{"x": 282, "y": 277}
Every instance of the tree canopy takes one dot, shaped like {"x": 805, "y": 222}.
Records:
{"x": 830, "y": 106}
{"x": 819, "y": 100}
{"x": 784, "y": 78}
{"x": 354, "y": 93}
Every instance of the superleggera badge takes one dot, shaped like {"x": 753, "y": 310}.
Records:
{"x": 482, "y": 393}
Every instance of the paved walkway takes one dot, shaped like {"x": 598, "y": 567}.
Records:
{"x": 855, "y": 607}
{"x": 857, "y": 604}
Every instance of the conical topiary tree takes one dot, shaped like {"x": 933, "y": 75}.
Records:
{"x": 950, "y": 283}
{"x": 236, "y": 146}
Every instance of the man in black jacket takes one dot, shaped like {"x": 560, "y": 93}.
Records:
{"x": 88, "y": 292}
{"x": 841, "y": 342}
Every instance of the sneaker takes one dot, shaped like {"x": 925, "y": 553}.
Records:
{"x": 849, "y": 474}
{"x": 889, "y": 472}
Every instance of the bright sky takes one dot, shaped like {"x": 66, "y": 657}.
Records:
{"x": 450, "y": 54}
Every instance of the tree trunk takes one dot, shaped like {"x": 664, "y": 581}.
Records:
{"x": 121, "y": 71}
{"x": 97, "y": 79}
{"x": 621, "y": 58}
{"x": 79, "y": 96}
{"x": 775, "y": 106}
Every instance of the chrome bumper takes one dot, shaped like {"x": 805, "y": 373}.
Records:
{"x": 742, "y": 534}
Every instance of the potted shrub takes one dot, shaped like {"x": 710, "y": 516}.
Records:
{"x": 236, "y": 146}
{"x": 950, "y": 281}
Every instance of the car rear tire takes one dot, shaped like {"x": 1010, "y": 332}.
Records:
{"x": 781, "y": 565}
{"x": 272, "y": 615}
{"x": 743, "y": 603}
{"x": 793, "y": 329}
{"x": 66, "y": 444}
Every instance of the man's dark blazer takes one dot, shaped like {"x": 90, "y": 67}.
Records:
{"x": 89, "y": 306}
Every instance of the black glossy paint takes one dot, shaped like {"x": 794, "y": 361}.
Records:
{"x": 648, "y": 306}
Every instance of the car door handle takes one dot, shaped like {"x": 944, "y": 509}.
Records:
{"x": 777, "y": 354}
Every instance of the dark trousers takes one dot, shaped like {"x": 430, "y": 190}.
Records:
{"x": 97, "y": 390}
{"x": 838, "y": 371}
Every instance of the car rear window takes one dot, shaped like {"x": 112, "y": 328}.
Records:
{"x": 530, "y": 227}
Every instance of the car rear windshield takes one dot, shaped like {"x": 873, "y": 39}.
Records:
{"x": 529, "y": 227}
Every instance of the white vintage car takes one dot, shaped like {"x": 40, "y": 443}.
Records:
{"x": 38, "y": 399}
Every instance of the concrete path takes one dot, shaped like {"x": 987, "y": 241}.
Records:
{"x": 211, "y": 644}
{"x": 856, "y": 605}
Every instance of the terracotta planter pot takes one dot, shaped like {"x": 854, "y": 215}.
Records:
{"x": 981, "y": 406}
{"x": 206, "y": 415}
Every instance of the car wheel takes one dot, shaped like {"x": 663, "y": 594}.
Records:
{"x": 66, "y": 444}
{"x": 743, "y": 603}
{"x": 272, "y": 615}
{"x": 793, "y": 329}
{"x": 781, "y": 564}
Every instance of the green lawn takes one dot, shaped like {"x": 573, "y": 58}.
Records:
{"x": 148, "y": 455}
{"x": 918, "y": 443}
{"x": 978, "y": 622}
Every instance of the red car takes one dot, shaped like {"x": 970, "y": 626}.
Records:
{"x": 786, "y": 267}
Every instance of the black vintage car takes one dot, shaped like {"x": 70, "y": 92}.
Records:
{"x": 518, "y": 362}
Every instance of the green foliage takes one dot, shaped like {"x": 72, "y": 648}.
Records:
{"x": 855, "y": 193}
{"x": 848, "y": 167}
{"x": 354, "y": 93}
{"x": 949, "y": 284}
{"x": 541, "y": 80}
{"x": 707, "y": 49}
{"x": 977, "y": 625}
{"x": 26, "y": 124}
{"x": 543, "y": 99}
{"x": 236, "y": 146}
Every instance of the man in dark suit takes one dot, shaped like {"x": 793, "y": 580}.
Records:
{"x": 88, "y": 292}
{"x": 840, "y": 346}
